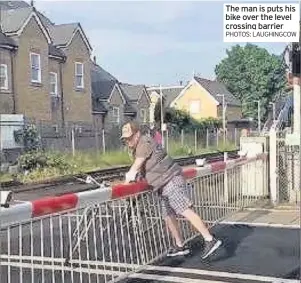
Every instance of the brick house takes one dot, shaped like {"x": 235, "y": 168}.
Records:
{"x": 45, "y": 68}
{"x": 114, "y": 102}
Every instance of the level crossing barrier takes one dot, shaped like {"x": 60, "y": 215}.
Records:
{"x": 106, "y": 234}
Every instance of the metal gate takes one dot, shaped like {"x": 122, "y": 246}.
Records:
{"x": 288, "y": 171}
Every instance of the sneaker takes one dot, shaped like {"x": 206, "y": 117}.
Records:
{"x": 210, "y": 247}
{"x": 178, "y": 251}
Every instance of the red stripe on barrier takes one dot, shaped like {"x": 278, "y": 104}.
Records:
{"x": 190, "y": 173}
{"x": 218, "y": 166}
{"x": 50, "y": 205}
{"x": 123, "y": 190}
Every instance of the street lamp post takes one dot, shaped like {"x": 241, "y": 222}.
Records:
{"x": 274, "y": 110}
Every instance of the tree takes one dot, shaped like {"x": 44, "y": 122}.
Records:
{"x": 252, "y": 74}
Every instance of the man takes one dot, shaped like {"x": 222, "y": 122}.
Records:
{"x": 165, "y": 176}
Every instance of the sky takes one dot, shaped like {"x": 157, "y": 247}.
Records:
{"x": 151, "y": 42}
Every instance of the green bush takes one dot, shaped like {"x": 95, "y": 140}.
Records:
{"x": 39, "y": 160}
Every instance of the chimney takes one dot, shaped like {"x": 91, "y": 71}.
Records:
{"x": 32, "y": 3}
{"x": 181, "y": 83}
{"x": 94, "y": 59}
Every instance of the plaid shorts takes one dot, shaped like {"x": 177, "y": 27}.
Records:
{"x": 174, "y": 198}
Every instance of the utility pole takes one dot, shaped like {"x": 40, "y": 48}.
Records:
{"x": 162, "y": 115}
{"x": 259, "y": 115}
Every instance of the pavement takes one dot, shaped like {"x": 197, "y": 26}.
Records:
{"x": 260, "y": 245}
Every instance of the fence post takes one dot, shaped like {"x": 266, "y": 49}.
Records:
{"x": 103, "y": 141}
{"x": 182, "y": 137}
{"x": 235, "y": 137}
{"x": 207, "y": 137}
{"x": 73, "y": 141}
{"x": 195, "y": 141}
{"x": 167, "y": 140}
{"x": 96, "y": 140}
{"x": 216, "y": 137}
{"x": 226, "y": 192}
{"x": 273, "y": 167}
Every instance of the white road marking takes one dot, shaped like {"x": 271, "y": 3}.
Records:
{"x": 260, "y": 224}
{"x": 220, "y": 274}
{"x": 172, "y": 279}
{"x": 15, "y": 261}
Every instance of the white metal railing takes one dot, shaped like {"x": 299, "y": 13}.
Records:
{"x": 107, "y": 241}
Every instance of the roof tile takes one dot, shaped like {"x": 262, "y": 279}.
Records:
{"x": 215, "y": 88}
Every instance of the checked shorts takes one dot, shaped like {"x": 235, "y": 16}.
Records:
{"x": 174, "y": 197}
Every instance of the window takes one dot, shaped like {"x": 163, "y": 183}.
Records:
{"x": 116, "y": 116}
{"x": 194, "y": 107}
{"x": 53, "y": 84}
{"x": 79, "y": 75}
{"x": 143, "y": 115}
{"x": 35, "y": 61}
{"x": 3, "y": 77}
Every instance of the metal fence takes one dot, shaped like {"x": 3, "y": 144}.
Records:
{"x": 112, "y": 240}
{"x": 86, "y": 137}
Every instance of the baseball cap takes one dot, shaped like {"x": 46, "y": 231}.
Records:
{"x": 128, "y": 130}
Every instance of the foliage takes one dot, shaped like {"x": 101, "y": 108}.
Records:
{"x": 39, "y": 165}
{"x": 29, "y": 137}
{"x": 39, "y": 159}
{"x": 252, "y": 74}
{"x": 178, "y": 119}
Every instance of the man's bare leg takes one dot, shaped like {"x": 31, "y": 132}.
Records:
{"x": 198, "y": 224}
{"x": 172, "y": 224}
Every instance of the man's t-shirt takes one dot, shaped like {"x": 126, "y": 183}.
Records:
{"x": 159, "y": 168}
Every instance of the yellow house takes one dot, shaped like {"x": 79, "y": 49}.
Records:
{"x": 168, "y": 92}
{"x": 203, "y": 98}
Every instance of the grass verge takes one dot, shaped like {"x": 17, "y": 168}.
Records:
{"x": 88, "y": 161}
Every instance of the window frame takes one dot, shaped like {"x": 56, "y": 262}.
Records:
{"x": 56, "y": 84}
{"x": 191, "y": 104}
{"x": 77, "y": 75}
{"x": 39, "y": 80}
{"x": 116, "y": 118}
{"x": 5, "y": 87}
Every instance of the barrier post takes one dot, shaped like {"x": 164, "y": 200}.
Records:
{"x": 273, "y": 167}
{"x": 226, "y": 192}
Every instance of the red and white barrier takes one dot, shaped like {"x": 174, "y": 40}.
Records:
{"x": 52, "y": 205}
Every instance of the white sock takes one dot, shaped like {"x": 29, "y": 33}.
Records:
{"x": 208, "y": 239}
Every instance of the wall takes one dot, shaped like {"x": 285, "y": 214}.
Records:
{"x": 208, "y": 107}
{"x": 7, "y": 96}
{"x": 32, "y": 99}
{"x": 78, "y": 103}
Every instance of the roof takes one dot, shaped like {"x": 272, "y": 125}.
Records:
{"x": 102, "y": 82}
{"x": 6, "y": 5}
{"x": 12, "y": 20}
{"x": 129, "y": 108}
{"x": 98, "y": 106}
{"x": 55, "y": 51}
{"x": 132, "y": 92}
{"x": 169, "y": 93}
{"x": 61, "y": 34}
{"x": 6, "y": 41}
{"x": 215, "y": 88}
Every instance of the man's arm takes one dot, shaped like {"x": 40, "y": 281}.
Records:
{"x": 135, "y": 168}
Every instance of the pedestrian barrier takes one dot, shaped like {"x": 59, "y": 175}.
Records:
{"x": 106, "y": 234}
